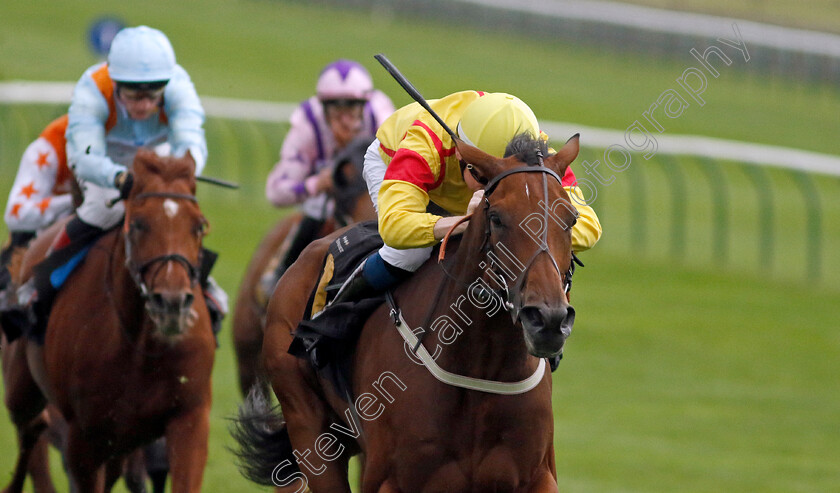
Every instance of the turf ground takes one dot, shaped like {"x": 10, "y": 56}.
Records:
{"x": 819, "y": 15}
{"x": 697, "y": 375}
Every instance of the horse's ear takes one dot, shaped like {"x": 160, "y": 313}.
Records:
{"x": 564, "y": 157}
{"x": 145, "y": 162}
{"x": 486, "y": 165}
{"x": 189, "y": 157}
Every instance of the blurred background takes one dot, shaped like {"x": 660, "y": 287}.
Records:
{"x": 707, "y": 346}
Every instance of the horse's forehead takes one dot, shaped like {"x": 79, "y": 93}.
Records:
{"x": 170, "y": 208}
{"x": 527, "y": 189}
{"x": 162, "y": 207}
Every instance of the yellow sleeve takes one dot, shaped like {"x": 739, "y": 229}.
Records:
{"x": 587, "y": 230}
{"x": 403, "y": 220}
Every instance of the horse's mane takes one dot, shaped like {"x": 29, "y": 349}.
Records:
{"x": 524, "y": 146}
{"x": 150, "y": 168}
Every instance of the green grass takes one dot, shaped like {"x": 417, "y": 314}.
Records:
{"x": 699, "y": 375}
{"x": 820, "y": 15}
{"x": 682, "y": 380}
{"x": 674, "y": 380}
{"x": 274, "y": 49}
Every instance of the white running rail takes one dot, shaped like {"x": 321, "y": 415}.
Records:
{"x": 24, "y": 92}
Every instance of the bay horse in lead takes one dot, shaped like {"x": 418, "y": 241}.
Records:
{"x": 129, "y": 349}
{"x": 477, "y": 414}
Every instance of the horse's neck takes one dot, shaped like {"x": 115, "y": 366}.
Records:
{"x": 488, "y": 344}
{"x": 127, "y": 302}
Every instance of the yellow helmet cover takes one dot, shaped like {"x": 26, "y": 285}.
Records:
{"x": 490, "y": 122}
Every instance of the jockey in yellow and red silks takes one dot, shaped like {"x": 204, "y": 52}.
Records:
{"x": 413, "y": 161}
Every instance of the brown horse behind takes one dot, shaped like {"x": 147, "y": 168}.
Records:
{"x": 249, "y": 311}
{"x": 129, "y": 350}
{"x": 485, "y": 318}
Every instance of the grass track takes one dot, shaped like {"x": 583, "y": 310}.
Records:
{"x": 820, "y": 15}
{"x": 273, "y": 50}
{"x": 679, "y": 377}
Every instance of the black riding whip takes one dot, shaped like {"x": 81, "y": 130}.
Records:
{"x": 412, "y": 91}
{"x": 217, "y": 181}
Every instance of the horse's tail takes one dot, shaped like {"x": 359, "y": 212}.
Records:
{"x": 265, "y": 453}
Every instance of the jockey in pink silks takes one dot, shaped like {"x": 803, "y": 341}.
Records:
{"x": 346, "y": 107}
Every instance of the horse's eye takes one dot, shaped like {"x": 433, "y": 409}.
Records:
{"x": 139, "y": 226}
{"x": 495, "y": 219}
{"x": 201, "y": 228}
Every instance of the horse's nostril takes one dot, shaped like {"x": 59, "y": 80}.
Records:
{"x": 554, "y": 318}
{"x": 570, "y": 316}
{"x": 171, "y": 301}
{"x": 533, "y": 317}
{"x": 157, "y": 300}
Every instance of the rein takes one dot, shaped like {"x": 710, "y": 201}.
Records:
{"x": 138, "y": 269}
{"x": 512, "y": 296}
{"x": 511, "y": 300}
{"x": 449, "y": 378}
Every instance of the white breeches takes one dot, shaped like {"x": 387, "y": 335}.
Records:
{"x": 94, "y": 210}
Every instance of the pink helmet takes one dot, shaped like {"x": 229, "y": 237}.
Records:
{"x": 344, "y": 79}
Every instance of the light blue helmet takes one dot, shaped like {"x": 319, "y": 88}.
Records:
{"x": 140, "y": 54}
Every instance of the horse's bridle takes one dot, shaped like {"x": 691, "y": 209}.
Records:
{"x": 138, "y": 269}
{"x": 512, "y": 297}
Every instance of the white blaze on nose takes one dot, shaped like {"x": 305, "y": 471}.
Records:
{"x": 170, "y": 207}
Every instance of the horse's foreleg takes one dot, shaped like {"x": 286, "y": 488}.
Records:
{"x": 546, "y": 479}
{"x": 39, "y": 467}
{"x": 113, "y": 470}
{"x": 186, "y": 444}
{"x": 29, "y": 437}
{"x": 85, "y": 459}
{"x": 132, "y": 468}
{"x": 544, "y": 482}
{"x": 25, "y": 403}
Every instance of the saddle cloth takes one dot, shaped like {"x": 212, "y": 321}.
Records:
{"x": 327, "y": 336}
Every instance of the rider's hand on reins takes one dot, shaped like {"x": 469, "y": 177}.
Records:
{"x": 456, "y": 225}
{"x": 123, "y": 182}
{"x": 476, "y": 199}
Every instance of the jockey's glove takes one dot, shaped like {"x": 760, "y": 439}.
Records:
{"x": 123, "y": 182}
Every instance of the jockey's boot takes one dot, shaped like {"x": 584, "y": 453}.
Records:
{"x": 14, "y": 319}
{"x": 217, "y": 305}
{"x": 62, "y": 257}
{"x": 35, "y": 296}
{"x": 18, "y": 240}
{"x": 374, "y": 278}
{"x": 75, "y": 235}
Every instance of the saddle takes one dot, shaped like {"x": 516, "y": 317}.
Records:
{"x": 328, "y": 334}
{"x": 28, "y": 313}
